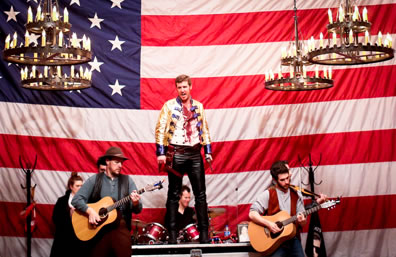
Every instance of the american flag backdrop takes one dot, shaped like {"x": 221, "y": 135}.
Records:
{"x": 226, "y": 46}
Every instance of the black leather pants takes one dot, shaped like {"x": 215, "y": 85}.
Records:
{"x": 189, "y": 162}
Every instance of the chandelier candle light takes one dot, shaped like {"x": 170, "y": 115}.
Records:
{"x": 297, "y": 61}
{"x": 46, "y": 63}
{"x": 349, "y": 40}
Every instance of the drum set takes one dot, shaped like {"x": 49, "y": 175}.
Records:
{"x": 155, "y": 233}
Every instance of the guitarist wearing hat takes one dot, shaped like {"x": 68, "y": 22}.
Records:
{"x": 113, "y": 239}
{"x": 281, "y": 198}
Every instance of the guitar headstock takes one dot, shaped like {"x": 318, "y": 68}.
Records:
{"x": 155, "y": 186}
{"x": 330, "y": 204}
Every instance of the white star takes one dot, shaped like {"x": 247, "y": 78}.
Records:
{"x": 75, "y": 2}
{"x": 33, "y": 0}
{"x": 12, "y": 14}
{"x": 72, "y": 91}
{"x": 75, "y": 41}
{"x": 33, "y": 38}
{"x": 116, "y": 3}
{"x": 116, "y": 43}
{"x": 95, "y": 65}
{"x": 117, "y": 88}
{"x": 96, "y": 21}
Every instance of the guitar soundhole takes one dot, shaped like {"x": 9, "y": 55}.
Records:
{"x": 103, "y": 215}
{"x": 280, "y": 225}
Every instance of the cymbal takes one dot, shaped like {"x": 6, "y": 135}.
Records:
{"x": 138, "y": 223}
{"x": 214, "y": 212}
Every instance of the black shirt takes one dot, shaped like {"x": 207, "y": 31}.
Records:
{"x": 182, "y": 220}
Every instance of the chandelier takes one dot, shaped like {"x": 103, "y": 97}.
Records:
{"x": 297, "y": 60}
{"x": 349, "y": 40}
{"x": 50, "y": 64}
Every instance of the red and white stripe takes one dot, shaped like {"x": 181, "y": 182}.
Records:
{"x": 226, "y": 46}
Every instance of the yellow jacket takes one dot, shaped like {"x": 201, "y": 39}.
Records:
{"x": 170, "y": 113}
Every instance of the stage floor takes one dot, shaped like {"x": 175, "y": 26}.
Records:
{"x": 186, "y": 249}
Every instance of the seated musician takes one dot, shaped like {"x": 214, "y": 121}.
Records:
{"x": 185, "y": 214}
{"x": 277, "y": 198}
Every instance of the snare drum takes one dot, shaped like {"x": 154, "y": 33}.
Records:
{"x": 155, "y": 233}
{"x": 190, "y": 233}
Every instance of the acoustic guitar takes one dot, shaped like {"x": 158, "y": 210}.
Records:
{"x": 106, "y": 208}
{"x": 263, "y": 240}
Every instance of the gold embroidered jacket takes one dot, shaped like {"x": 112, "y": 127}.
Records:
{"x": 170, "y": 113}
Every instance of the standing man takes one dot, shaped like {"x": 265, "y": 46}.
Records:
{"x": 180, "y": 133}
{"x": 277, "y": 198}
{"x": 113, "y": 239}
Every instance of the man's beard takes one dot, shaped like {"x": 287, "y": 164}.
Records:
{"x": 115, "y": 172}
{"x": 285, "y": 187}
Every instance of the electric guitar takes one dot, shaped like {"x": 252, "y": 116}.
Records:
{"x": 106, "y": 208}
{"x": 263, "y": 240}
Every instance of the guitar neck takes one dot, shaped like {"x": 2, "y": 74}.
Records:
{"x": 124, "y": 200}
{"x": 306, "y": 213}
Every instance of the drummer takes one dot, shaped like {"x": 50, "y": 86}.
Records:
{"x": 185, "y": 214}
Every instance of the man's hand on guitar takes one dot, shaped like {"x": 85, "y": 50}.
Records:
{"x": 273, "y": 227}
{"x": 94, "y": 217}
{"x": 135, "y": 197}
{"x": 301, "y": 219}
{"x": 321, "y": 199}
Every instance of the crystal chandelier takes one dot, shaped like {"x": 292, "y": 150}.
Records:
{"x": 50, "y": 64}
{"x": 349, "y": 40}
{"x": 297, "y": 61}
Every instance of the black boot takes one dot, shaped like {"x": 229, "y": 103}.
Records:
{"x": 172, "y": 209}
{"x": 203, "y": 222}
{"x": 172, "y": 237}
{"x": 204, "y": 237}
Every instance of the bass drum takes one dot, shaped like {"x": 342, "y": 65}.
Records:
{"x": 155, "y": 233}
{"x": 190, "y": 233}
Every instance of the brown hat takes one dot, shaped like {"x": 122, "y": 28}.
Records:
{"x": 114, "y": 152}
